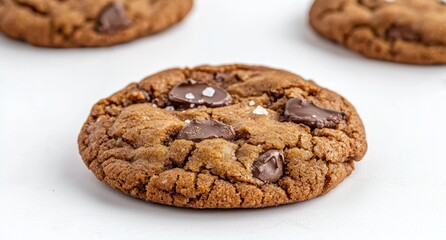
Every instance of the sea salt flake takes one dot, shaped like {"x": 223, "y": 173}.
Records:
{"x": 251, "y": 103}
{"x": 170, "y": 108}
{"x": 189, "y": 96}
{"x": 187, "y": 121}
{"x": 260, "y": 111}
{"x": 208, "y": 92}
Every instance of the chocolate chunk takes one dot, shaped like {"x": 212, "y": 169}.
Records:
{"x": 269, "y": 166}
{"x": 302, "y": 111}
{"x": 402, "y": 32}
{"x": 191, "y": 93}
{"x": 112, "y": 18}
{"x": 199, "y": 130}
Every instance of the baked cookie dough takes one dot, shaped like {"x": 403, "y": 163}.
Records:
{"x": 87, "y": 23}
{"x": 405, "y": 31}
{"x": 232, "y": 136}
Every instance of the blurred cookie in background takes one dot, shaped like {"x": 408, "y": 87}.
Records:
{"x": 86, "y": 23}
{"x": 405, "y": 31}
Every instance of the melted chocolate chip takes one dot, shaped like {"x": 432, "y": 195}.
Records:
{"x": 402, "y": 32}
{"x": 191, "y": 93}
{"x": 302, "y": 111}
{"x": 199, "y": 130}
{"x": 112, "y": 18}
{"x": 269, "y": 167}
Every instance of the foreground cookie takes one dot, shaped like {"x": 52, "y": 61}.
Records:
{"x": 232, "y": 136}
{"x": 406, "y": 31}
{"x": 87, "y": 23}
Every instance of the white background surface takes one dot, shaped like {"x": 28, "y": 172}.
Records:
{"x": 398, "y": 190}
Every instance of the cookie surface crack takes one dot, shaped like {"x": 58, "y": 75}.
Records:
{"x": 30, "y": 7}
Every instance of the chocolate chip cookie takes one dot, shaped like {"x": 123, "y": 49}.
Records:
{"x": 232, "y": 136}
{"x": 405, "y": 31}
{"x": 87, "y": 23}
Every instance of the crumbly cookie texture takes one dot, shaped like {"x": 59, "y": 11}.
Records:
{"x": 405, "y": 31}
{"x": 242, "y": 152}
{"x": 87, "y": 23}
